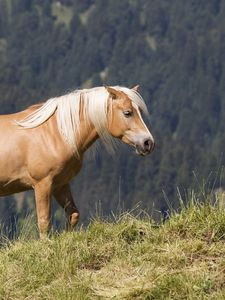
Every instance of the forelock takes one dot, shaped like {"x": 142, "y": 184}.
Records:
{"x": 135, "y": 97}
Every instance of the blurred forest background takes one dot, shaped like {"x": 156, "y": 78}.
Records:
{"x": 174, "y": 49}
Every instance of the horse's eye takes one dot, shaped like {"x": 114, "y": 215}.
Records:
{"x": 128, "y": 113}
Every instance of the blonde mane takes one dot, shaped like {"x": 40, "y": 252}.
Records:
{"x": 95, "y": 106}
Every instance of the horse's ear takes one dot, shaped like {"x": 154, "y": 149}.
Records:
{"x": 114, "y": 93}
{"x": 136, "y": 88}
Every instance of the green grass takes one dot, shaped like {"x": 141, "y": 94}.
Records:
{"x": 126, "y": 258}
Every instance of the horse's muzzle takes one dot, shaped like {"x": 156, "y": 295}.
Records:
{"x": 146, "y": 147}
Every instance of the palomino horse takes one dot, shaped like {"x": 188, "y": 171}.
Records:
{"x": 42, "y": 147}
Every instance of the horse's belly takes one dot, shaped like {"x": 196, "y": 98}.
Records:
{"x": 12, "y": 187}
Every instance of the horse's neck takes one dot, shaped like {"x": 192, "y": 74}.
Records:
{"x": 88, "y": 135}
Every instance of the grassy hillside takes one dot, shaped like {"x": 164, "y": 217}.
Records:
{"x": 125, "y": 258}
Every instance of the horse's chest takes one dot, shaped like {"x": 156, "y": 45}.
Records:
{"x": 67, "y": 171}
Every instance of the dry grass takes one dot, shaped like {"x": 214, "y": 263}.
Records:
{"x": 128, "y": 258}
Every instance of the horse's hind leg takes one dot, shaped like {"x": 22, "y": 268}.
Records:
{"x": 43, "y": 206}
{"x": 64, "y": 197}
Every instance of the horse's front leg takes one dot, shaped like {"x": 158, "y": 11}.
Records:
{"x": 43, "y": 205}
{"x": 64, "y": 197}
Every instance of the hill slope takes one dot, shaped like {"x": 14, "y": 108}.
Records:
{"x": 128, "y": 258}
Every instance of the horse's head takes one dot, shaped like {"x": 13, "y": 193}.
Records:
{"x": 126, "y": 123}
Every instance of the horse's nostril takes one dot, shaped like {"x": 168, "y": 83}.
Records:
{"x": 147, "y": 142}
{"x": 149, "y": 145}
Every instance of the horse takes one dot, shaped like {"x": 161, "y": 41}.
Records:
{"x": 42, "y": 148}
